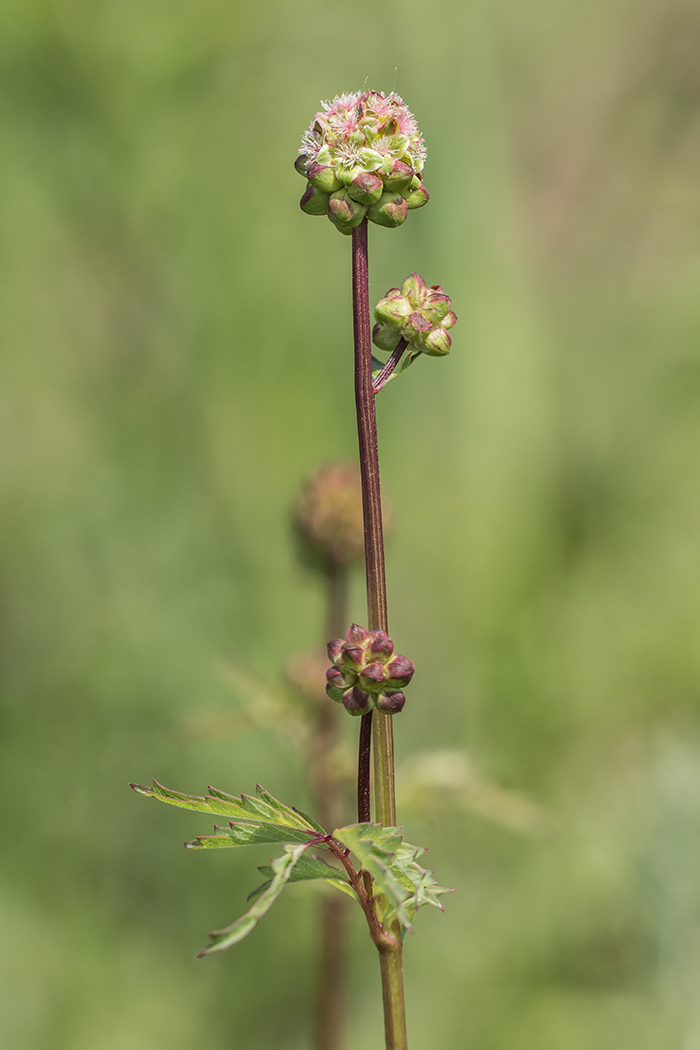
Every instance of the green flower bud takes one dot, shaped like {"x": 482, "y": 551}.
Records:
{"x": 437, "y": 343}
{"x": 301, "y": 164}
{"x": 392, "y": 312}
{"x": 314, "y": 202}
{"x": 386, "y": 339}
{"x": 399, "y": 177}
{"x": 449, "y": 319}
{"x": 390, "y": 210}
{"x": 436, "y": 306}
{"x": 366, "y": 188}
{"x": 322, "y": 177}
{"x": 416, "y": 195}
{"x": 415, "y": 290}
{"x": 343, "y": 211}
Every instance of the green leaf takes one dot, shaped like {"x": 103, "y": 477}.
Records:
{"x": 375, "y": 847}
{"x": 261, "y": 810}
{"x": 410, "y": 355}
{"x": 248, "y": 835}
{"x": 309, "y": 868}
{"x": 419, "y": 881}
{"x": 282, "y": 869}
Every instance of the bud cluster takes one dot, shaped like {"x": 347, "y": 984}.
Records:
{"x": 366, "y": 672}
{"x": 416, "y": 313}
{"x": 362, "y": 156}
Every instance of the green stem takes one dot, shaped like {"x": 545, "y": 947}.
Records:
{"x": 385, "y": 803}
{"x": 394, "y": 1005}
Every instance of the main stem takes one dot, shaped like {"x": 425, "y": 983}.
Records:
{"x": 385, "y": 802}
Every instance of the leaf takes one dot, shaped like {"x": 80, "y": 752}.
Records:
{"x": 375, "y": 847}
{"x": 309, "y": 868}
{"x": 408, "y": 358}
{"x": 261, "y": 810}
{"x": 419, "y": 881}
{"x": 249, "y": 835}
{"x": 282, "y": 869}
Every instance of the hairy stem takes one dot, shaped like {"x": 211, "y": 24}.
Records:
{"x": 385, "y": 804}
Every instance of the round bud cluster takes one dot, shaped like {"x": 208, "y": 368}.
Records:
{"x": 328, "y": 516}
{"x": 416, "y": 313}
{"x": 362, "y": 156}
{"x": 366, "y": 672}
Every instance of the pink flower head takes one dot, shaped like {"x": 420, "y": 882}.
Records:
{"x": 363, "y": 154}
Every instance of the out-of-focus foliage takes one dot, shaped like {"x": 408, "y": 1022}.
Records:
{"x": 176, "y": 358}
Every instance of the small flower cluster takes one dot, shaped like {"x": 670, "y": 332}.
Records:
{"x": 416, "y": 313}
{"x": 366, "y": 672}
{"x": 362, "y": 156}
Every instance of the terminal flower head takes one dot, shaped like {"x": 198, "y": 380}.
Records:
{"x": 363, "y": 156}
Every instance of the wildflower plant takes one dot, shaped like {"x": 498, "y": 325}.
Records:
{"x": 363, "y": 158}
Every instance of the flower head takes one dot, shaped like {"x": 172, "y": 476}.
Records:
{"x": 362, "y": 156}
{"x": 365, "y": 672}
{"x": 417, "y": 313}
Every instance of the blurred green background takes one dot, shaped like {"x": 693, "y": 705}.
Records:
{"x": 176, "y": 357}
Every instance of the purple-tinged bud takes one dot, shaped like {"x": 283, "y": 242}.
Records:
{"x": 381, "y": 644}
{"x": 335, "y": 650}
{"x": 373, "y": 678}
{"x": 416, "y": 198}
{"x": 314, "y": 202}
{"x": 390, "y": 703}
{"x": 437, "y": 343}
{"x": 385, "y": 338}
{"x": 322, "y": 177}
{"x": 399, "y": 671}
{"x": 301, "y": 164}
{"x": 393, "y": 312}
{"x": 366, "y": 188}
{"x": 356, "y": 702}
{"x": 390, "y": 210}
{"x": 353, "y": 657}
{"x": 449, "y": 319}
{"x": 393, "y": 293}
{"x": 415, "y": 328}
{"x": 436, "y": 306}
{"x": 415, "y": 290}
{"x": 343, "y": 211}
{"x": 336, "y": 678}
{"x": 357, "y": 635}
{"x": 399, "y": 178}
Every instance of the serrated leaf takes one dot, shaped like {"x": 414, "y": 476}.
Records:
{"x": 375, "y": 847}
{"x": 419, "y": 881}
{"x": 308, "y": 868}
{"x": 249, "y": 835}
{"x": 282, "y": 869}
{"x": 262, "y": 810}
